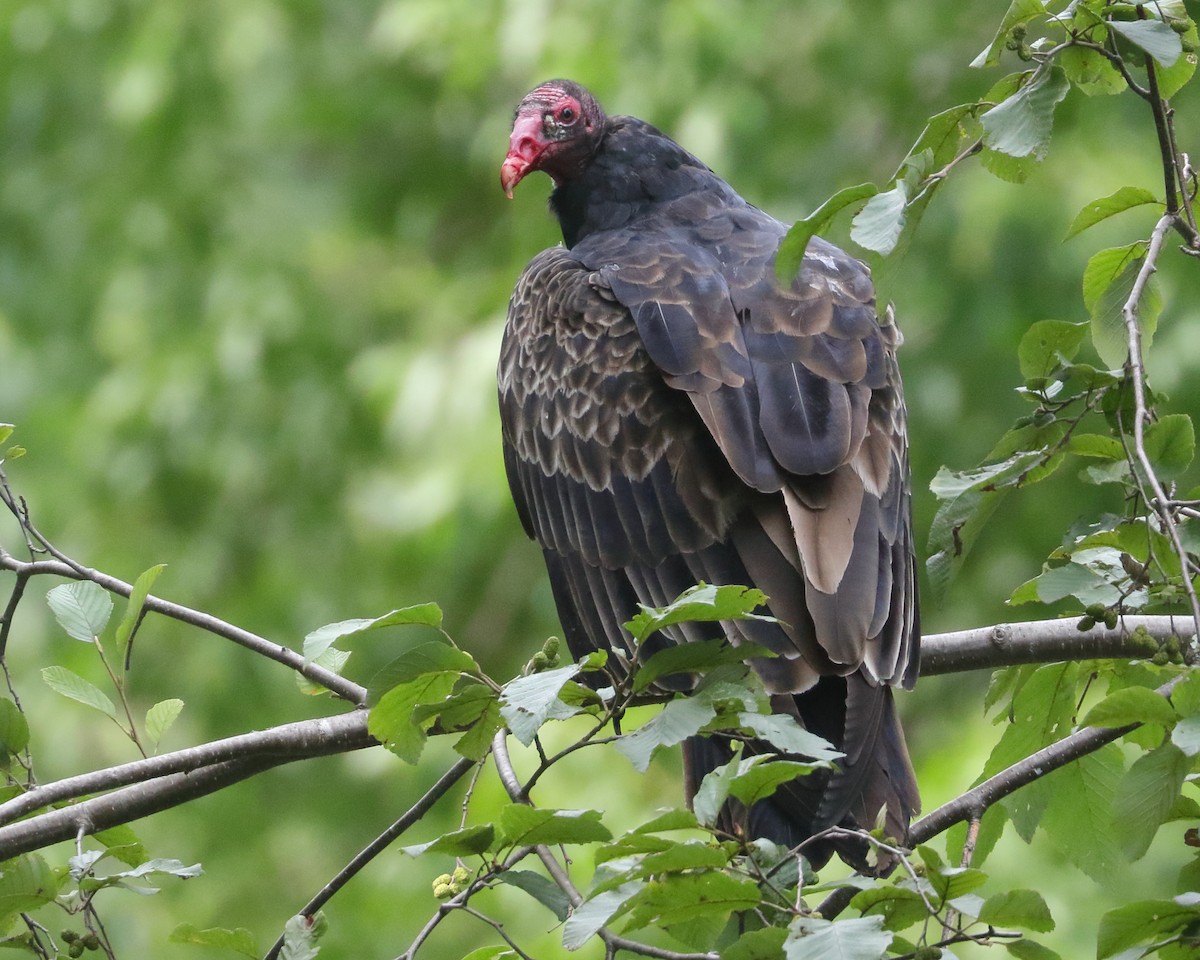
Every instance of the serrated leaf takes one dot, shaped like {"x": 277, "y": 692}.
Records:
{"x": 14, "y": 729}
{"x": 766, "y": 944}
{"x": 695, "y": 657}
{"x": 1019, "y": 12}
{"x": 1091, "y": 72}
{"x": 679, "y": 719}
{"x": 1143, "y": 921}
{"x": 783, "y": 731}
{"x": 1096, "y": 445}
{"x": 528, "y": 702}
{"x": 587, "y": 918}
{"x": 458, "y": 843}
{"x": 433, "y": 656}
{"x": 123, "y": 844}
{"x": 1102, "y": 270}
{"x": 767, "y": 776}
{"x": 421, "y": 614}
{"x": 714, "y": 791}
{"x": 74, "y": 687}
{"x": 333, "y": 660}
{"x": 1172, "y": 79}
{"x": 390, "y": 721}
{"x": 137, "y": 600}
{"x": 82, "y": 609}
{"x": 1030, "y": 950}
{"x": 900, "y": 907}
{"x": 1171, "y": 444}
{"x": 1108, "y": 281}
{"x": 1046, "y": 344}
{"x": 795, "y": 243}
{"x": 544, "y": 890}
{"x": 878, "y": 225}
{"x": 1145, "y": 796}
{"x": 1153, "y": 36}
{"x": 1186, "y": 735}
{"x": 1124, "y": 199}
{"x": 240, "y": 941}
{"x": 26, "y": 883}
{"x": 300, "y": 935}
{"x": 1020, "y": 126}
{"x": 682, "y": 898}
{"x": 494, "y": 952}
{"x": 1017, "y": 908}
{"x": 861, "y": 938}
{"x": 701, "y": 603}
{"x": 520, "y": 825}
{"x": 1130, "y": 705}
{"x": 160, "y": 717}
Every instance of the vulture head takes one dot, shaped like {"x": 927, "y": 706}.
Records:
{"x": 556, "y": 129}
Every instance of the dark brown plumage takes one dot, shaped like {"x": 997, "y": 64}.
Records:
{"x": 672, "y": 414}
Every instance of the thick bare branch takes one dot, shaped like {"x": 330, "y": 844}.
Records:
{"x": 199, "y": 771}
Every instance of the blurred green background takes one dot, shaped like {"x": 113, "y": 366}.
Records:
{"x": 254, "y": 263}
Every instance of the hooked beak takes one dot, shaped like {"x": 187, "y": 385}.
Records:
{"x": 525, "y": 148}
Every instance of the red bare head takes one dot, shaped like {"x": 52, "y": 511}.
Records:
{"x": 556, "y": 129}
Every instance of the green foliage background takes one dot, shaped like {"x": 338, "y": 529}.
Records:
{"x": 254, "y": 262}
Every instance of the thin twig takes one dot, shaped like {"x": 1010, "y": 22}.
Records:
{"x": 379, "y": 844}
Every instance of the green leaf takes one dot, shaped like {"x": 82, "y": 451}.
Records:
{"x": 544, "y": 890}
{"x": 1046, "y": 344}
{"x": 458, "y": 843}
{"x": 701, "y": 603}
{"x": 81, "y": 608}
{"x": 14, "y": 729}
{"x": 668, "y": 820}
{"x": 1108, "y": 281}
{"x": 793, "y": 246}
{"x": 1141, "y": 922}
{"x": 1091, "y": 72}
{"x": 681, "y": 898}
{"x": 1019, "y": 12}
{"x": 862, "y": 938}
{"x": 422, "y": 614}
{"x": 300, "y": 935}
{"x": 1130, "y": 705}
{"x": 391, "y": 722}
{"x": 528, "y": 702}
{"x": 1096, "y": 445}
{"x": 26, "y": 883}
{"x": 783, "y": 731}
{"x": 1030, "y": 950}
{"x": 1172, "y": 79}
{"x": 333, "y": 660}
{"x": 160, "y": 717}
{"x": 595, "y": 912}
{"x": 878, "y": 225}
{"x": 123, "y": 844}
{"x": 1020, "y": 126}
{"x": 765, "y": 775}
{"x": 432, "y": 656}
{"x": 714, "y": 791}
{"x": 493, "y": 952}
{"x": 696, "y": 657}
{"x": 679, "y": 719}
{"x": 766, "y": 944}
{"x": 1153, "y": 36}
{"x": 521, "y": 825}
{"x": 900, "y": 907}
{"x": 1124, "y": 199}
{"x": 1017, "y": 908}
{"x": 1146, "y": 794}
{"x": 71, "y": 685}
{"x": 240, "y": 941}
{"x": 137, "y": 600}
{"x": 1171, "y": 444}
{"x": 1186, "y": 735}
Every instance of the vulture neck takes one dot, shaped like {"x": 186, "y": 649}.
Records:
{"x": 635, "y": 170}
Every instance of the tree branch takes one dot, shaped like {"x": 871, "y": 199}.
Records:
{"x": 172, "y": 779}
{"x": 379, "y": 844}
{"x": 339, "y": 686}
{"x": 1044, "y": 641}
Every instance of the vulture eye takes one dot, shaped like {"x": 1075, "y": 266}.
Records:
{"x": 566, "y": 114}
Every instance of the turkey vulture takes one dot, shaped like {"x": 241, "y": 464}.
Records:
{"x": 672, "y": 414}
